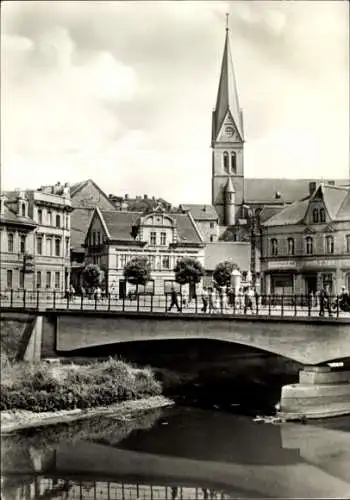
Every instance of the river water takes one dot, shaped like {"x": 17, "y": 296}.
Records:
{"x": 178, "y": 452}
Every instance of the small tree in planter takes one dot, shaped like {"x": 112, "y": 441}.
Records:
{"x": 222, "y": 273}
{"x": 92, "y": 276}
{"x": 137, "y": 271}
{"x": 189, "y": 271}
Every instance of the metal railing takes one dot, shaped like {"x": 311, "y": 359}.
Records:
{"x": 263, "y": 305}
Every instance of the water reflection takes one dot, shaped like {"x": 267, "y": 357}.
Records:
{"x": 178, "y": 453}
{"x": 45, "y": 488}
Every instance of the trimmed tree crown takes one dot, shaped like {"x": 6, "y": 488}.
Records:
{"x": 137, "y": 271}
{"x": 188, "y": 270}
{"x": 92, "y": 275}
{"x": 222, "y": 273}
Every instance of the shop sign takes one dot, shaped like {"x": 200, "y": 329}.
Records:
{"x": 282, "y": 264}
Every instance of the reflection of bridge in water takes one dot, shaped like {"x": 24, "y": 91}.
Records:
{"x": 42, "y": 487}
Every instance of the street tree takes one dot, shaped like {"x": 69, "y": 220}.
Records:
{"x": 222, "y": 273}
{"x": 137, "y": 271}
{"x": 92, "y": 276}
{"x": 189, "y": 271}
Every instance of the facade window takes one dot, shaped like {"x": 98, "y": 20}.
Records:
{"x": 49, "y": 246}
{"x": 163, "y": 238}
{"x": 39, "y": 245}
{"x": 9, "y": 278}
{"x": 40, "y": 216}
{"x": 290, "y": 246}
{"x": 21, "y": 278}
{"x": 309, "y": 245}
{"x": 274, "y": 247}
{"x": 98, "y": 237}
{"x": 23, "y": 209}
{"x": 57, "y": 279}
{"x": 58, "y": 221}
{"x": 67, "y": 247}
{"x": 48, "y": 279}
{"x": 315, "y": 216}
{"x": 329, "y": 244}
{"x": 67, "y": 221}
{"x": 153, "y": 238}
{"x": 93, "y": 238}
{"x": 38, "y": 279}
{"x": 166, "y": 262}
{"x": 10, "y": 242}
{"x": 212, "y": 225}
{"x": 22, "y": 244}
{"x": 152, "y": 261}
{"x": 211, "y": 238}
{"x": 57, "y": 247}
{"x": 233, "y": 162}
{"x": 226, "y": 161}
{"x": 49, "y": 218}
{"x": 322, "y": 215}
{"x": 348, "y": 243}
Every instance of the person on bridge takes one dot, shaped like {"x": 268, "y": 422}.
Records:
{"x": 248, "y": 299}
{"x": 174, "y": 301}
{"x": 205, "y": 299}
{"x": 325, "y": 301}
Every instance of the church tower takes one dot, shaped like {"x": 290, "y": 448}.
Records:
{"x": 227, "y": 144}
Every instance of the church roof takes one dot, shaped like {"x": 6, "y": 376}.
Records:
{"x": 279, "y": 190}
{"x": 227, "y": 98}
{"x": 201, "y": 212}
{"x": 229, "y": 186}
{"x": 336, "y": 200}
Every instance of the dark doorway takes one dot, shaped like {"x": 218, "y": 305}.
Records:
{"x": 311, "y": 283}
{"x": 122, "y": 289}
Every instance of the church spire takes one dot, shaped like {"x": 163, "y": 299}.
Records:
{"x": 227, "y": 98}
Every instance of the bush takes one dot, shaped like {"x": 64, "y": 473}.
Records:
{"x": 41, "y": 387}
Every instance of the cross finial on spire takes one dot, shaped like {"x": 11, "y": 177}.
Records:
{"x": 227, "y": 15}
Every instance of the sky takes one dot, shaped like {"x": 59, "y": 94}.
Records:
{"x": 122, "y": 92}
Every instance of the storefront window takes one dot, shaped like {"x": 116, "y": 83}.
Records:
{"x": 309, "y": 245}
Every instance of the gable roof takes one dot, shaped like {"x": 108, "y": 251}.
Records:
{"x": 119, "y": 225}
{"x": 77, "y": 187}
{"x": 200, "y": 212}
{"x": 80, "y": 220}
{"x": 290, "y": 190}
{"x": 336, "y": 200}
{"x": 235, "y": 252}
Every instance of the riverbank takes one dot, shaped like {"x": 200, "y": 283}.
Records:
{"x": 42, "y": 393}
{"x": 21, "y": 419}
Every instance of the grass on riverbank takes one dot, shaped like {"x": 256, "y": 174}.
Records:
{"x": 40, "y": 387}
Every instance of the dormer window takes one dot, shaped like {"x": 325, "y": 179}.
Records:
{"x": 322, "y": 215}
{"x": 315, "y": 217}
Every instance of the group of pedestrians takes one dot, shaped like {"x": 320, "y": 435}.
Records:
{"x": 219, "y": 299}
{"x": 325, "y": 301}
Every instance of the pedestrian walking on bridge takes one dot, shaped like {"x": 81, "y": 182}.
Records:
{"x": 174, "y": 299}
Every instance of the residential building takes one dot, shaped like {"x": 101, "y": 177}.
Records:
{"x": 307, "y": 244}
{"x": 49, "y": 208}
{"x": 17, "y": 232}
{"x": 115, "y": 237}
{"x": 206, "y": 218}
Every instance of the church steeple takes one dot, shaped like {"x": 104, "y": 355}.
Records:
{"x": 227, "y": 144}
{"x": 227, "y": 98}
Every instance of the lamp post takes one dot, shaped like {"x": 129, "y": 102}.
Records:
{"x": 254, "y": 231}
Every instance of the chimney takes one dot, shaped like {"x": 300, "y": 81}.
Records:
{"x": 312, "y": 187}
{"x": 126, "y": 197}
{"x": 145, "y": 197}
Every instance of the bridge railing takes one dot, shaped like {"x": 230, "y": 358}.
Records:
{"x": 264, "y": 305}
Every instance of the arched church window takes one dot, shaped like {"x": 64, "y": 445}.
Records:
{"x": 226, "y": 162}
{"x": 233, "y": 163}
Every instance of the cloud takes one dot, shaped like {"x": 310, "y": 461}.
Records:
{"x": 123, "y": 93}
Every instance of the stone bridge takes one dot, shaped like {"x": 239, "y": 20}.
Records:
{"x": 309, "y": 341}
